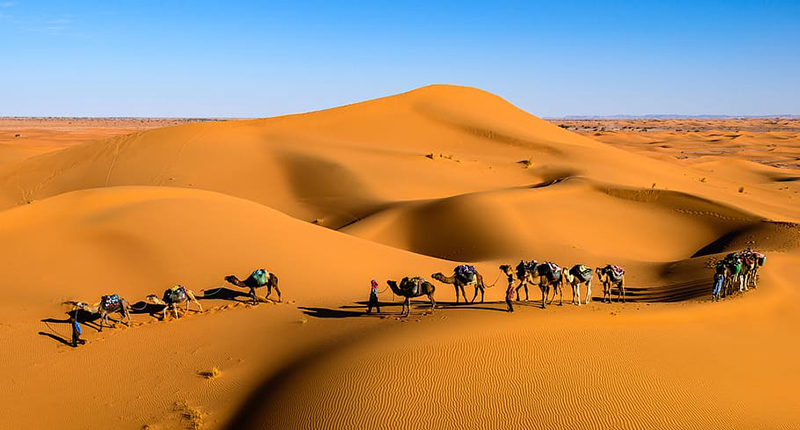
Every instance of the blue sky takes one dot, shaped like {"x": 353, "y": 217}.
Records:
{"x": 256, "y": 59}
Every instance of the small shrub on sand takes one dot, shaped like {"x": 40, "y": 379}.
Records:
{"x": 431, "y": 155}
{"x": 211, "y": 374}
{"x": 703, "y": 179}
{"x": 527, "y": 162}
{"x": 741, "y": 189}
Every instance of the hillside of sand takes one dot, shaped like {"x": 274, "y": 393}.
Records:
{"x": 405, "y": 185}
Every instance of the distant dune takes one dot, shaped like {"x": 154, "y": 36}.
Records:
{"x": 406, "y": 185}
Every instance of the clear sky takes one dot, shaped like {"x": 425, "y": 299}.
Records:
{"x": 255, "y": 59}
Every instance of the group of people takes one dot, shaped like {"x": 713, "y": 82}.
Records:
{"x": 170, "y": 300}
{"x": 737, "y": 272}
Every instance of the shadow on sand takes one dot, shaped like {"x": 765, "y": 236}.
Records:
{"x": 359, "y": 309}
{"x": 223, "y": 293}
{"x": 86, "y": 318}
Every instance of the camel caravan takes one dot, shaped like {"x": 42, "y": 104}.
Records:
{"x": 736, "y": 273}
{"x": 172, "y": 298}
{"x": 547, "y": 276}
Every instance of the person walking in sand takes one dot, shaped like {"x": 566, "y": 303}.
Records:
{"x": 373, "y": 297}
{"x": 510, "y": 292}
{"x": 76, "y": 330}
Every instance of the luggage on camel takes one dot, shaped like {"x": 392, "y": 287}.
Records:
{"x": 176, "y": 294}
{"x": 615, "y": 272}
{"x": 525, "y": 267}
{"x": 110, "y": 301}
{"x": 260, "y": 276}
{"x": 732, "y": 257}
{"x": 582, "y": 272}
{"x": 549, "y": 270}
{"x": 760, "y": 258}
{"x": 415, "y": 284}
{"x": 465, "y": 273}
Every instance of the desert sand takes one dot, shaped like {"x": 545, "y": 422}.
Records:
{"x": 406, "y": 185}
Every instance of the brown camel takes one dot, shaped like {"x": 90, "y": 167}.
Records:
{"x": 106, "y": 305}
{"x": 413, "y": 287}
{"x": 259, "y": 278}
{"x": 612, "y": 276}
{"x": 525, "y": 272}
{"x": 172, "y": 298}
{"x": 575, "y": 277}
{"x": 459, "y": 282}
{"x": 536, "y": 274}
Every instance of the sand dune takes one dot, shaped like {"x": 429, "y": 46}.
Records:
{"x": 401, "y": 186}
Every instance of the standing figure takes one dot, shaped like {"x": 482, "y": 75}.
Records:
{"x": 76, "y": 330}
{"x": 373, "y": 297}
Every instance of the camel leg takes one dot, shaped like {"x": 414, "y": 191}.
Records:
{"x": 463, "y": 294}
{"x": 253, "y": 296}
{"x": 561, "y": 294}
{"x": 194, "y": 300}
{"x": 544, "y": 295}
{"x": 576, "y": 293}
{"x": 588, "y": 292}
{"x": 455, "y": 286}
{"x": 482, "y": 290}
{"x": 103, "y": 319}
{"x": 475, "y": 296}
{"x": 433, "y": 302}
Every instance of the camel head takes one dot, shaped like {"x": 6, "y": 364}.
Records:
{"x": 77, "y": 305}
{"x": 505, "y": 268}
{"x": 152, "y": 298}
{"x": 392, "y": 284}
{"x": 231, "y": 279}
{"x": 439, "y": 276}
{"x": 600, "y": 273}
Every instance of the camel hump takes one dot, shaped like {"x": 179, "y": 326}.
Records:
{"x": 582, "y": 272}
{"x": 175, "y": 294}
{"x": 110, "y": 301}
{"x": 466, "y": 273}
{"x": 260, "y": 276}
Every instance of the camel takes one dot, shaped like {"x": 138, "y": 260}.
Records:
{"x": 611, "y": 278}
{"x": 459, "y": 281}
{"x": 524, "y": 272}
{"x": 752, "y": 261}
{"x": 259, "y": 278}
{"x": 413, "y": 287}
{"x": 173, "y": 297}
{"x": 575, "y": 277}
{"x": 106, "y": 305}
{"x": 551, "y": 276}
{"x": 734, "y": 278}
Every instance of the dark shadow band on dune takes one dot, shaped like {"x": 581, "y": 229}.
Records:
{"x": 262, "y": 403}
{"x": 334, "y": 193}
{"x": 763, "y": 236}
